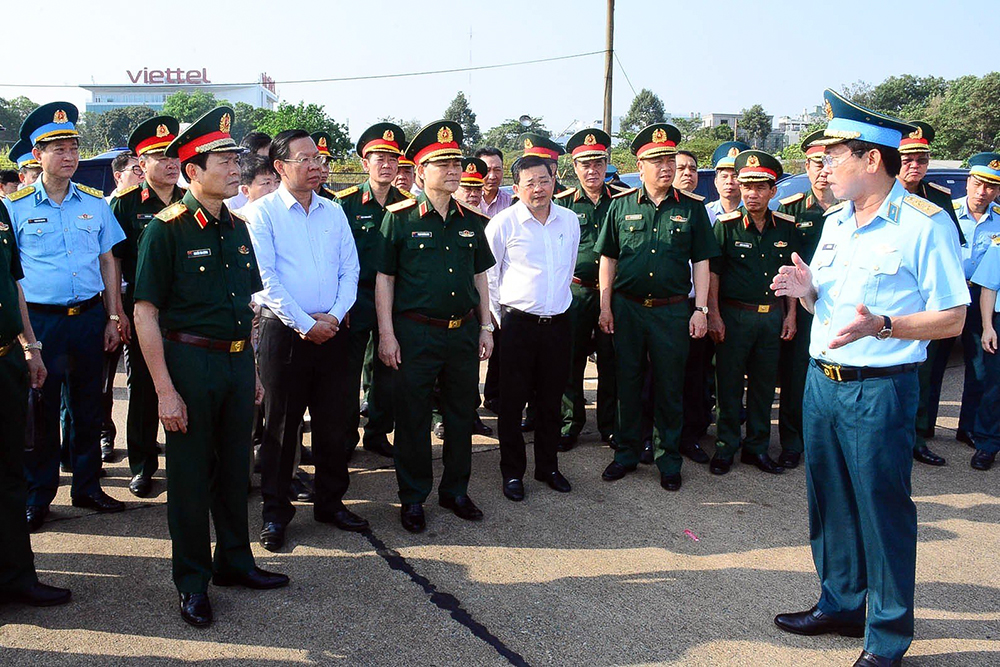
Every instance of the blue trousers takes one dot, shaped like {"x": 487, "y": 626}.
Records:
{"x": 862, "y": 522}
{"x": 73, "y": 352}
{"x": 975, "y": 363}
{"x": 986, "y": 428}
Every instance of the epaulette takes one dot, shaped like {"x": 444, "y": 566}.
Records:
{"x": 692, "y": 195}
{"x": 783, "y": 216}
{"x": 119, "y": 195}
{"x": 474, "y": 211}
{"x": 346, "y": 192}
{"x": 922, "y": 205}
{"x": 408, "y": 194}
{"x": 624, "y": 192}
{"x": 996, "y": 209}
{"x": 939, "y": 188}
{"x": 791, "y": 199}
{"x": 565, "y": 193}
{"x": 956, "y": 204}
{"x": 617, "y": 188}
{"x": 400, "y": 205}
{"x": 238, "y": 216}
{"x": 728, "y": 217}
{"x": 835, "y": 207}
{"x": 996, "y": 240}
{"x": 93, "y": 192}
{"x": 172, "y": 212}
{"x": 21, "y": 194}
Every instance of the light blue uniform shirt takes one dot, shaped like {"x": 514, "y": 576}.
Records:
{"x": 60, "y": 244}
{"x": 988, "y": 272}
{"x": 902, "y": 262}
{"x": 978, "y": 234}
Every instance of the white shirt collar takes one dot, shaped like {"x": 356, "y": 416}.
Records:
{"x": 289, "y": 200}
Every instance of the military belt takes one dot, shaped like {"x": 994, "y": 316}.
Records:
{"x": 535, "y": 319}
{"x": 70, "y": 310}
{"x": 453, "y": 323}
{"x": 839, "y": 373}
{"x": 752, "y": 307}
{"x": 584, "y": 283}
{"x": 650, "y": 302}
{"x": 231, "y": 346}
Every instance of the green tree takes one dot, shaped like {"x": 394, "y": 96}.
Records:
{"x": 308, "y": 117}
{"x": 111, "y": 129}
{"x": 248, "y": 119}
{"x": 646, "y": 109}
{"x": 905, "y": 95}
{"x": 12, "y": 114}
{"x": 504, "y": 136}
{"x": 460, "y": 112}
{"x": 687, "y": 126}
{"x": 189, "y": 107}
{"x": 409, "y": 127}
{"x": 756, "y": 124}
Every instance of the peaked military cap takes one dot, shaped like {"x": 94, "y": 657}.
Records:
{"x": 538, "y": 146}
{"x": 208, "y": 134}
{"x": 656, "y": 140}
{"x": 50, "y": 122}
{"x": 21, "y": 155}
{"x": 919, "y": 140}
{"x": 849, "y": 121}
{"x": 153, "y": 135}
{"x": 589, "y": 144}
{"x": 473, "y": 172}
{"x": 755, "y": 166}
{"x": 725, "y": 155}
{"x": 323, "y": 141}
{"x": 381, "y": 138}
{"x": 439, "y": 140}
{"x": 985, "y": 167}
{"x": 405, "y": 161}
{"x": 813, "y": 150}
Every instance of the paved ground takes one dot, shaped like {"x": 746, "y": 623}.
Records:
{"x": 613, "y": 574}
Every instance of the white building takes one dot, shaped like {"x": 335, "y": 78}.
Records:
{"x": 151, "y": 89}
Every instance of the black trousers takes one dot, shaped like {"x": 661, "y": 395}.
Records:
{"x": 296, "y": 375}
{"x": 491, "y": 387}
{"x": 535, "y": 364}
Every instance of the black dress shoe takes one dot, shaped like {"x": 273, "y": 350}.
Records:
{"x": 100, "y": 501}
{"x": 36, "y": 516}
{"x": 379, "y": 445}
{"x": 299, "y": 491}
{"x": 966, "y": 437}
{"x": 693, "y": 451}
{"x": 411, "y": 515}
{"x": 527, "y": 424}
{"x": 364, "y": 409}
{"x": 925, "y": 455}
{"x": 671, "y": 482}
{"x": 493, "y": 405}
{"x": 566, "y": 443}
{"x": 982, "y": 460}
{"x": 646, "y": 455}
{"x": 438, "y": 430}
{"x": 256, "y": 578}
{"x": 871, "y": 660}
{"x": 789, "y": 460}
{"x": 140, "y": 486}
{"x": 462, "y": 506}
{"x": 815, "y": 622}
{"x": 513, "y": 489}
{"x": 272, "y": 536}
{"x": 38, "y": 595}
{"x": 345, "y": 520}
{"x": 615, "y": 471}
{"x": 107, "y": 450}
{"x": 720, "y": 465}
{"x": 555, "y": 480}
{"x": 763, "y": 462}
{"x": 479, "y": 428}
{"x": 196, "y": 609}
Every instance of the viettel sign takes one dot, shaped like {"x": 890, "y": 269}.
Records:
{"x": 170, "y": 75}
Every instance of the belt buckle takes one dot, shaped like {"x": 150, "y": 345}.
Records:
{"x": 647, "y": 302}
{"x": 455, "y": 323}
{"x": 544, "y": 319}
{"x": 832, "y": 371}
{"x": 236, "y": 346}
{"x": 764, "y": 308}
{"x": 73, "y": 310}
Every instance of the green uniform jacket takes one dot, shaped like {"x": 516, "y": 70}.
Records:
{"x": 591, "y": 219}
{"x": 10, "y": 268}
{"x": 808, "y": 214}
{"x": 135, "y": 208}
{"x": 365, "y": 215}
{"x": 750, "y": 259}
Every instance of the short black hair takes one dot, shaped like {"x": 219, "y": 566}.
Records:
{"x": 120, "y": 163}
{"x": 891, "y": 159}
{"x": 489, "y": 150}
{"x": 199, "y": 160}
{"x": 529, "y": 162}
{"x": 254, "y": 141}
{"x": 281, "y": 146}
{"x": 690, "y": 155}
{"x": 8, "y": 176}
{"x": 253, "y": 165}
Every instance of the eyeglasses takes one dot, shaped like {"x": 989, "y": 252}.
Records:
{"x": 135, "y": 169}
{"x": 317, "y": 160}
{"x": 536, "y": 185}
{"x": 916, "y": 160}
{"x": 832, "y": 162}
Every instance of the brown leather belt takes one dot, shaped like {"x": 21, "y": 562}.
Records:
{"x": 584, "y": 283}
{"x": 752, "y": 307}
{"x": 650, "y": 302}
{"x": 435, "y": 322}
{"x": 75, "y": 309}
{"x": 231, "y": 346}
{"x": 4, "y": 349}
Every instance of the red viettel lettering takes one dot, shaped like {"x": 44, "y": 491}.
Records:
{"x": 170, "y": 75}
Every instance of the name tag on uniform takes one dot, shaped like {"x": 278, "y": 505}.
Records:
{"x": 466, "y": 233}
{"x": 634, "y": 216}
{"x": 421, "y": 235}
{"x": 678, "y": 218}
{"x": 144, "y": 216}
{"x": 803, "y": 225}
{"x": 202, "y": 252}
{"x": 35, "y": 221}
{"x": 364, "y": 217}
{"x": 829, "y": 246}
{"x": 780, "y": 244}
{"x": 743, "y": 244}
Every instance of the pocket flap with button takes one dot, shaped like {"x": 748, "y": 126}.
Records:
{"x": 421, "y": 244}
{"x": 633, "y": 226}
{"x": 199, "y": 265}
{"x": 887, "y": 264}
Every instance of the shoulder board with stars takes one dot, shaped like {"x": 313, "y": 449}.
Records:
{"x": 346, "y": 192}
{"x": 401, "y": 206}
{"x": 939, "y": 188}
{"x": 729, "y": 217}
{"x": 21, "y": 194}
{"x": 778, "y": 215}
{"x": 172, "y": 212}
{"x": 798, "y": 196}
{"x": 565, "y": 193}
{"x": 996, "y": 209}
{"x": 93, "y": 192}
{"x": 467, "y": 209}
{"x": 957, "y": 204}
{"x": 835, "y": 207}
{"x": 407, "y": 194}
{"x": 692, "y": 195}
{"x": 237, "y": 215}
{"x": 996, "y": 240}
{"x": 922, "y": 205}
{"x": 124, "y": 192}
{"x": 622, "y": 193}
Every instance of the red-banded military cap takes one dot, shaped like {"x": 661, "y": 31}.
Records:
{"x": 589, "y": 144}
{"x": 153, "y": 135}
{"x": 473, "y": 172}
{"x": 439, "y": 140}
{"x": 656, "y": 140}
{"x": 405, "y": 161}
{"x": 208, "y": 134}
{"x": 919, "y": 140}
{"x": 755, "y": 166}
{"x": 381, "y": 138}
{"x": 813, "y": 150}
{"x": 538, "y": 146}
{"x": 323, "y": 141}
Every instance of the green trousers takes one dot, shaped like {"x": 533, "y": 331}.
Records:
{"x": 143, "y": 419}
{"x": 585, "y": 334}
{"x": 207, "y": 467}
{"x": 750, "y": 349}
{"x": 794, "y": 362}
{"x": 17, "y": 563}
{"x": 658, "y": 336}
{"x": 364, "y": 336}
{"x": 431, "y": 354}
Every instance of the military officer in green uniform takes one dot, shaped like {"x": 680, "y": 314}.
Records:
{"x": 364, "y": 205}
{"x": 650, "y": 240}
{"x": 432, "y": 300}
{"x": 746, "y": 320}
{"x": 134, "y": 209}
{"x": 323, "y": 141}
{"x": 808, "y": 209}
{"x": 195, "y": 276}
{"x": 590, "y": 201}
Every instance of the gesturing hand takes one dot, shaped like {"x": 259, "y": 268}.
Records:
{"x": 794, "y": 280}
{"x": 864, "y": 324}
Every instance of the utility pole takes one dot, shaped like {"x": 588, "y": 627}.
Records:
{"x": 608, "y": 65}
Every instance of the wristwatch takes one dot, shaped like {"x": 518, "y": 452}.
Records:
{"x": 37, "y": 345}
{"x": 703, "y": 309}
{"x": 114, "y": 318}
{"x": 487, "y": 327}
{"x": 886, "y": 331}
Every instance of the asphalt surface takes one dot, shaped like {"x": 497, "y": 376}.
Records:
{"x": 612, "y": 574}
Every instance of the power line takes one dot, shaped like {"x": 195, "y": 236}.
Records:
{"x": 622, "y": 68}
{"x": 335, "y": 79}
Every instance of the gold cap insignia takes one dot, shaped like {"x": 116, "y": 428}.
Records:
{"x": 225, "y": 123}
{"x": 445, "y": 135}
{"x": 60, "y": 117}
{"x": 994, "y": 165}
{"x": 828, "y": 110}
{"x": 528, "y": 145}
{"x": 322, "y": 142}
{"x": 388, "y": 135}
{"x": 161, "y": 131}
{"x": 589, "y": 140}
{"x": 733, "y": 152}
{"x": 752, "y": 161}
{"x": 918, "y": 133}
{"x": 471, "y": 169}
{"x": 659, "y": 135}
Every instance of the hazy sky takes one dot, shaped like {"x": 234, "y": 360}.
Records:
{"x": 697, "y": 56}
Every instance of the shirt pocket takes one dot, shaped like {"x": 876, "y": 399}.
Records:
{"x": 633, "y": 234}
{"x": 421, "y": 253}
{"x": 201, "y": 278}
{"x": 88, "y": 235}
{"x": 882, "y": 277}
{"x": 680, "y": 237}
{"x": 42, "y": 238}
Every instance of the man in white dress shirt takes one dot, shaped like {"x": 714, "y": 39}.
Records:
{"x": 309, "y": 268}
{"x": 535, "y": 243}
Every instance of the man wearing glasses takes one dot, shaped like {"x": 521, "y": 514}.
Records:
{"x": 886, "y": 279}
